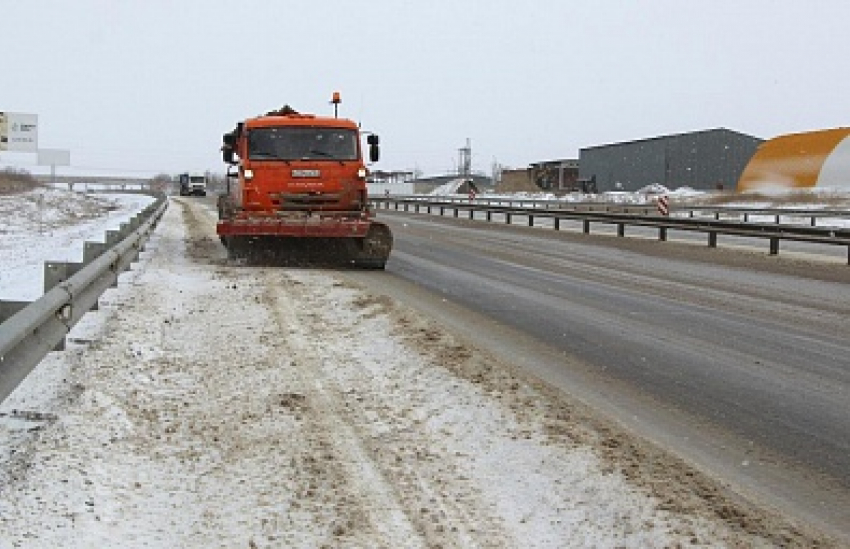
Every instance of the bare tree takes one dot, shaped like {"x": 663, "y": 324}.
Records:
{"x": 161, "y": 183}
{"x": 15, "y": 181}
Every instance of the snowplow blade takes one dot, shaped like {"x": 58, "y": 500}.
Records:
{"x": 339, "y": 250}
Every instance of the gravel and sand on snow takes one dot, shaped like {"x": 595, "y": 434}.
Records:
{"x": 209, "y": 404}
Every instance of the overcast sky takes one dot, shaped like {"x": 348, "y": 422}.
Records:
{"x": 144, "y": 87}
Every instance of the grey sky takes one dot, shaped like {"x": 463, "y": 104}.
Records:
{"x": 149, "y": 86}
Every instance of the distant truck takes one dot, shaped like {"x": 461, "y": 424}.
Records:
{"x": 192, "y": 184}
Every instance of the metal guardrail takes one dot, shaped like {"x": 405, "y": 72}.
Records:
{"x": 28, "y": 331}
{"x": 774, "y": 232}
{"x": 649, "y": 208}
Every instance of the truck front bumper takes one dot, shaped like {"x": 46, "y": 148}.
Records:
{"x": 308, "y": 227}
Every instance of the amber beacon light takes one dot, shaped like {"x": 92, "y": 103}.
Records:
{"x": 336, "y": 100}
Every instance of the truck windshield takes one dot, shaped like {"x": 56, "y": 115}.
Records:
{"x": 302, "y": 143}
{"x": 197, "y": 179}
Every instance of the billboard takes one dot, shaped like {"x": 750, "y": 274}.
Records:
{"x": 18, "y": 132}
{"x": 54, "y": 157}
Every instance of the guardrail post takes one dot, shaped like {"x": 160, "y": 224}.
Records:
{"x": 456, "y": 211}
{"x": 586, "y": 226}
{"x": 712, "y": 239}
{"x": 814, "y": 222}
{"x": 442, "y": 211}
{"x": 621, "y": 229}
{"x": 92, "y": 250}
{"x": 507, "y": 219}
{"x": 662, "y": 233}
{"x": 112, "y": 238}
{"x": 774, "y": 245}
{"x": 58, "y": 272}
{"x": 471, "y": 213}
{"x": 489, "y": 215}
{"x": 531, "y": 221}
{"x": 429, "y": 208}
{"x": 557, "y": 223}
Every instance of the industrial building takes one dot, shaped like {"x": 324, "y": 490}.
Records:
{"x": 705, "y": 160}
{"x": 552, "y": 176}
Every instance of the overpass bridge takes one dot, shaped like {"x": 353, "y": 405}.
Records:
{"x": 102, "y": 183}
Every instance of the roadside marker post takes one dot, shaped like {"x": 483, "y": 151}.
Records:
{"x": 663, "y": 204}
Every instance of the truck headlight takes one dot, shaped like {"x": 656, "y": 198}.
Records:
{"x": 248, "y": 174}
{"x": 361, "y": 173}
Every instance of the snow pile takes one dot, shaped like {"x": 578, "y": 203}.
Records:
{"x": 655, "y": 188}
{"x": 448, "y": 188}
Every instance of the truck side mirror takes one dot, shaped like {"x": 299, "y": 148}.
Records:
{"x": 229, "y": 140}
{"x": 374, "y": 152}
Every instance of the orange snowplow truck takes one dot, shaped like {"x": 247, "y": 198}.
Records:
{"x": 296, "y": 192}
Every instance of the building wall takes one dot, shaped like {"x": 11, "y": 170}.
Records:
{"x": 516, "y": 180}
{"x": 704, "y": 160}
{"x": 381, "y": 189}
{"x": 555, "y": 175}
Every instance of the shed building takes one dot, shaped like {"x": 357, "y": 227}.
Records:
{"x": 515, "y": 181}
{"x": 705, "y": 160}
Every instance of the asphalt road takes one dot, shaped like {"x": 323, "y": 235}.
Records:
{"x": 739, "y": 362}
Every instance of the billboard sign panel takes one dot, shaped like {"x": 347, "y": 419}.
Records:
{"x": 54, "y": 157}
{"x": 18, "y": 132}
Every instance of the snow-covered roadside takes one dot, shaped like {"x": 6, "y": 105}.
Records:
{"x": 207, "y": 404}
{"x": 52, "y": 225}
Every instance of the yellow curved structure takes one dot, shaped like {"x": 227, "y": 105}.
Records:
{"x": 800, "y": 161}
